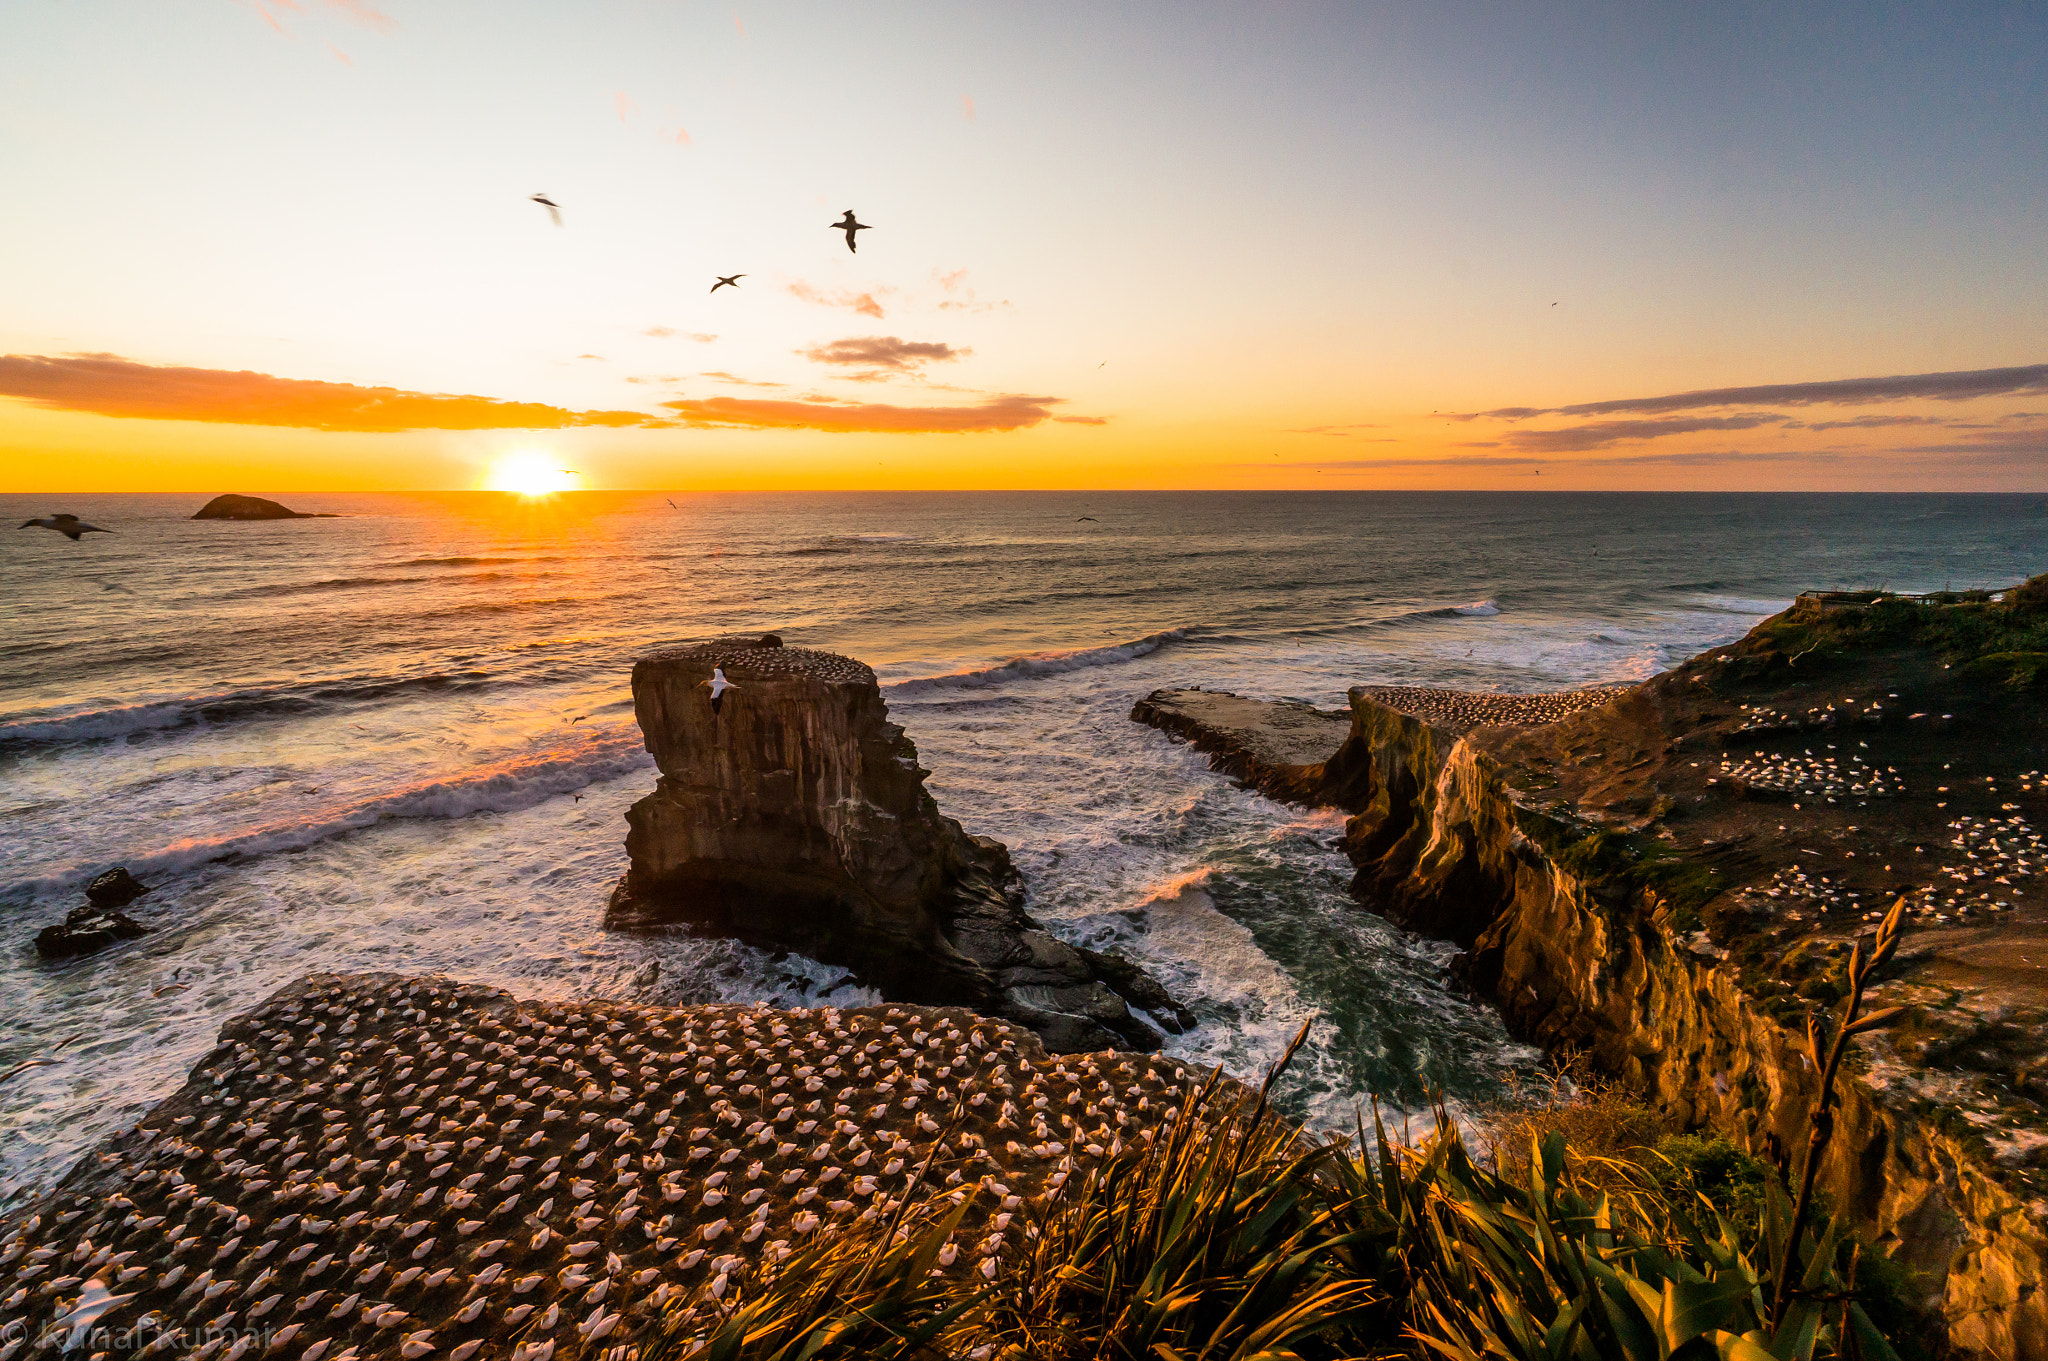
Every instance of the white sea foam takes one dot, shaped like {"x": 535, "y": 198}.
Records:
{"x": 1478, "y": 609}
{"x": 1042, "y": 664}
{"x": 515, "y": 783}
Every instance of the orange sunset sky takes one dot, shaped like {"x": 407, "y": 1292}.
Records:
{"x": 288, "y": 245}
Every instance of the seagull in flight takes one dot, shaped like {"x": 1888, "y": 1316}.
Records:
{"x": 727, "y": 281}
{"x": 554, "y": 208}
{"x": 70, "y": 526}
{"x": 849, "y": 226}
{"x": 718, "y": 684}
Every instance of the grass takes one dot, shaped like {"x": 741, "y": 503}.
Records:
{"x": 1994, "y": 642}
{"x": 1580, "y": 1229}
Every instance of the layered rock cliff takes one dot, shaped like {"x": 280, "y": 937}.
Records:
{"x": 795, "y": 815}
{"x": 1669, "y": 880}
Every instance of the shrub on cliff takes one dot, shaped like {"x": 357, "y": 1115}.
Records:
{"x": 1235, "y": 1240}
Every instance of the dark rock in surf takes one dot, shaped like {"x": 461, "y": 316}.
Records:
{"x": 86, "y": 931}
{"x": 254, "y": 508}
{"x": 116, "y": 888}
{"x": 796, "y": 817}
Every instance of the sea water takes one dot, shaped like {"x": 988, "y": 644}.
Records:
{"x": 403, "y": 740}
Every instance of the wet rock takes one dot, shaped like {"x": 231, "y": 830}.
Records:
{"x": 115, "y": 888}
{"x": 86, "y": 931}
{"x": 795, "y": 817}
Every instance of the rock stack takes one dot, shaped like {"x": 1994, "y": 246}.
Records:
{"x": 795, "y": 816}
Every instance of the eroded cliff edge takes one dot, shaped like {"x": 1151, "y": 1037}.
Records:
{"x": 794, "y": 815}
{"x": 1669, "y": 880}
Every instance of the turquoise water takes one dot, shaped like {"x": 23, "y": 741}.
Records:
{"x": 355, "y": 743}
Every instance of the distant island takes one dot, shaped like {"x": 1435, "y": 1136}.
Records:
{"x": 255, "y": 508}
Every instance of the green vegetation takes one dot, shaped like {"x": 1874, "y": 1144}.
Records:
{"x": 1998, "y": 642}
{"x": 1235, "y": 1240}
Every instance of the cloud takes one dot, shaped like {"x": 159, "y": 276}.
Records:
{"x": 1338, "y": 430}
{"x": 108, "y": 385}
{"x": 1601, "y": 434}
{"x": 358, "y": 10}
{"x": 665, "y": 332}
{"x": 1868, "y": 422}
{"x": 997, "y": 413}
{"x": 883, "y": 352}
{"x": 722, "y": 376}
{"x": 864, "y": 303}
{"x": 967, "y": 107}
{"x": 1958, "y": 386}
{"x": 623, "y": 104}
{"x": 1082, "y": 420}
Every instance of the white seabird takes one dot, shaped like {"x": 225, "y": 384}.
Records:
{"x": 70, "y": 526}
{"x": 718, "y": 685}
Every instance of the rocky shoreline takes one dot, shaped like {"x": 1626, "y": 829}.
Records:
{"x": 1667, "y": 881}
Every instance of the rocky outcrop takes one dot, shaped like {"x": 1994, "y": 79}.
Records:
{"x": 1587, "y": 960}
{"x": 100, "y": 923}
{"x": 1276, "y": 748}
{"x": 794, "y": 815}
{"x": 1578, "y": 860}
{"x": 233, "y": 507}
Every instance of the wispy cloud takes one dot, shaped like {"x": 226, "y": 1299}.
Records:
{"x": 865, "y": 302}
{"x": 1602, "y": 434}
{"x": 1346, "y": 430}
{"x": 108, "y": 385}
{"x": 883, "y": 352}
{"x": 997, "y": 413}
{"x": 1959, "y": 386}
{"x": 360, "y": 11}
{"x": 967, "y": 107}
{"x": 722, "y": 376}
{"x": 667, "y": 332}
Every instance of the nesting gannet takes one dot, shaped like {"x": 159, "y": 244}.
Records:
{"x": 71, "y": 527}
{"x": 725, "y": 281}
{"x": 718, "y": 685}
{"x": 849, "y": 226}
{"x": 554, "y": 209}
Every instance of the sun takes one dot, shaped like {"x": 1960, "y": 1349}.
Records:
{"x": 530, "y": 472}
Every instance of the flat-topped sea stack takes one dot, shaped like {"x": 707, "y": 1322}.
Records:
{"x": 794, "y": 815}
{"x": 232, "y": 507}
{"x": 400, "y": 1168}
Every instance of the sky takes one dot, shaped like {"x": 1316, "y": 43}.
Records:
{"x": 290, "y": 245}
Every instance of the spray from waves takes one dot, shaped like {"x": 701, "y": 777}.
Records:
{"x": 1043, "y": 664}
{"x": 1175, "y": 886}
{"x": 1478, "y": 609}
{"x": 508, "y": 786}
{"x": 31, "y": 730}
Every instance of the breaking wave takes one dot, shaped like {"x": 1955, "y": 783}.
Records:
{"x": 106, "y": 725}
{"x": 1042, "y": 664}
{"x": 505, "y": 787}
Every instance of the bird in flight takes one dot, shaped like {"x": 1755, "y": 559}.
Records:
{"x": 727, "y": 281}
{"x": 554, "y": 208}
{"x": 718, "y": 683}
{"x": 70, "y": 526}
{"x": 672, "y": 503}
{"x": 1079, "y": 518}
{"x": 849, "y": 226}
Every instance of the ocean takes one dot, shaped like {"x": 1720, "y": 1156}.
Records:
{"x": 403, "y": 740}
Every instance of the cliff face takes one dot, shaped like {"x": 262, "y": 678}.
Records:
{"x": 1588, "y": 958}
{"x": 796, "y": 816}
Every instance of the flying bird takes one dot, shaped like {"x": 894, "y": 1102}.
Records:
{"x": 718, "y": 683}
{"x": 727, "y": 281}
{"x": 1079, "y": 518}
{"x": 554, "y": 208}
{"x": 70, "y": 526}
{"x": 671, "y": 503}
{"x": 849, "y": 226}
